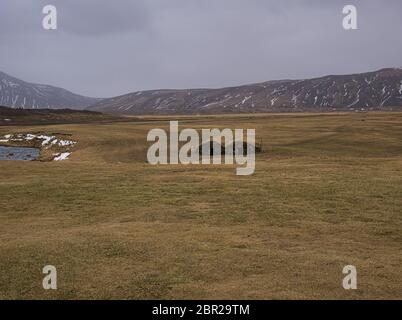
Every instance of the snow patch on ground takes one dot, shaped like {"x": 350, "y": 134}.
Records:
{"x": 65, "y": 143}
{"x": 273, "y": 101}
{"x": 246, "y": 99}
{"x": 45, "y": 141}
{"x": 62, "y": 156}
{"x": 357, "y": 99}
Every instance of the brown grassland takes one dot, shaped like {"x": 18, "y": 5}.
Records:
{"x": 327, "y": 192}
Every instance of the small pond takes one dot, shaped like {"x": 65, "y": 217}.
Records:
{"x": 19, "y": 153}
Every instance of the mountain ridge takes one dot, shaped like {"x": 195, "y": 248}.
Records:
{"x": 16, "y": 93}
{"x": 375, "y": 90}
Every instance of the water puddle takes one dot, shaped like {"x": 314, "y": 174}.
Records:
{"x": 19, "y": 153}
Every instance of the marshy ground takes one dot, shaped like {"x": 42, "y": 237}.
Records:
{"x": 327, "y": 192}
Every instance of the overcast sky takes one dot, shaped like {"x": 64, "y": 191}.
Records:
{"x": 105, "y": 48}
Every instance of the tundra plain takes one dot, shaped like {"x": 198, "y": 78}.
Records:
{"x": 327, "y": 192}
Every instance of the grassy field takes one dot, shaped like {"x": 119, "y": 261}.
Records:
{"x": 14, "y": 117}
{"x": 327, "y": 192}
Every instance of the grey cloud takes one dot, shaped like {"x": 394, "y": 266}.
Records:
{"x": 94, "y": 17}
{"x": 105, "y": 48}
{"x": 80, "y": 17}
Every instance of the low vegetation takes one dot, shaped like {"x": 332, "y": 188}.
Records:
{"x": 326, "y": 193}
{"x": 10, "y": 117}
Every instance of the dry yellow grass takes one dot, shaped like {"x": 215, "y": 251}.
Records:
{"x": 327, "y": 192}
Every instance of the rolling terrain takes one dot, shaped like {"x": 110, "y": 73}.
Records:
{"x": 326, "y": 193}
{"x": 379, "y": 90}
{"x": 10, "y": 116}
{"x": 16, "y": 93}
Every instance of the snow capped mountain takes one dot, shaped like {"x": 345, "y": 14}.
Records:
{"x": 379, "y": 90}
{"x": 16, "y": 93}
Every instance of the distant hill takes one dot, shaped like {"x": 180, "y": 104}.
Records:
{"x": 16, "y": 93}
{"x": 10, "y": 116}
{"x": 379, "y": 90}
